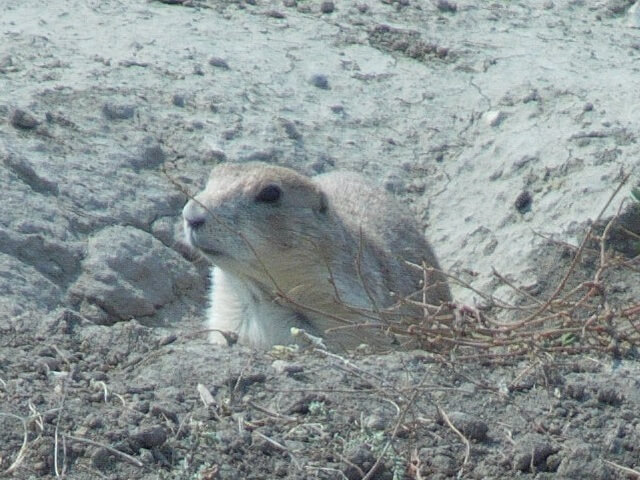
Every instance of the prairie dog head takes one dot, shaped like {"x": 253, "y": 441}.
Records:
{"x": 255, "y": 214}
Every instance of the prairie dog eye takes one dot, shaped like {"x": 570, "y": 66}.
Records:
{"x": 269, "y": 194}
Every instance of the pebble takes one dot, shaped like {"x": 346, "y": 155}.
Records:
{"x": 320, "y": 81}
{"x": 178, "y": 100}
{"x": 219, "y": 63}
{"x": 24, "y": 120}
{"x": 446, "y": 6}
{"x": 151, "y": 155}
{"x": 327, "y": 7}
{"x": 523, "y": 202}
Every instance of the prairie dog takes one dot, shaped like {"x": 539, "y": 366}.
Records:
{"x": 295, "y": 251}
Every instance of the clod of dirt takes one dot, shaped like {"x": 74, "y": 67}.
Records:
{"x": 472, "y": 428}
{"x": 446, "y": 6}
{"x": 581, "y": 462}
{"x": 360, "y": 462}
{"x": 436, "y": 462}
{"x": 102, "y": 459}
{"x": 114, "y": 111}
{"x": 533, "y": 456}
{"x": 610, "y": 397}
{"x": 148, "y": 438}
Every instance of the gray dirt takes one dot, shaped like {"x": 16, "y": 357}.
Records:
{"x": 488, "y": 120}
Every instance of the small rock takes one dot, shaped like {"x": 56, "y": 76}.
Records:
{"x": 446, "y": 6}
{"x": 274, "y": 14}
{"x": 25, "y": 171}
{"x": 129, "y": 273}
{"x": 473, "y": 428}
{"x": 327, "y": 7}
{"x": 535, "y": 455}
{"x": 587, "y": 107}
{"x": 178, "y": 100}
{"x": 523, "y": 202}
{"x": 302, "y": 405}
{"x": 290, "y": 3}
{"x": 151, "y": 155}
{"x": 24, "y": 120}
{"x": 118, "y": 112}
{"x": 219, "y": 63}
{"x": 148, "y": 438}
{"x": 320, "y": 81}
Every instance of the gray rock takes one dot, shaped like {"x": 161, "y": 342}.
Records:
{"x": 23, "y": 120}
{"x": 128, "y": 273}
{"x": 320, "y": 81}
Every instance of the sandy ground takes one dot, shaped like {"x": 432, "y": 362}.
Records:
{"x": 491, "y": 121}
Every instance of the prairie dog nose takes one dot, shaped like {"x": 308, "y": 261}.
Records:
{"x": 194, "y": 215}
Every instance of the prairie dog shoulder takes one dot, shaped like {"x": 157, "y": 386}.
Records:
{"x": 311, "y": 252}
